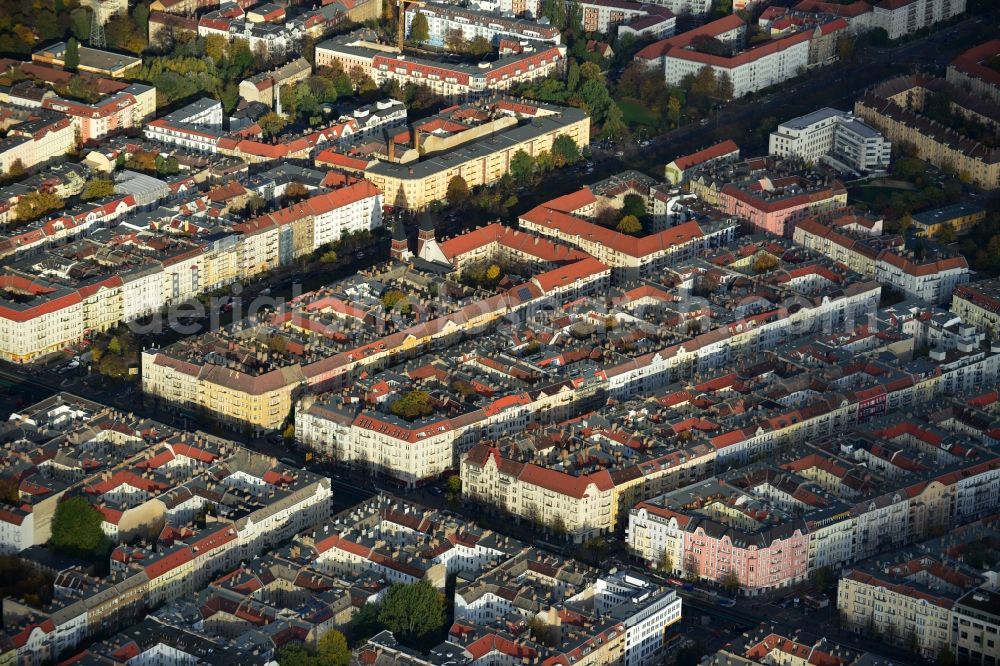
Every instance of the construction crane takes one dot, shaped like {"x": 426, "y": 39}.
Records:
{"x": 401, "y": 20}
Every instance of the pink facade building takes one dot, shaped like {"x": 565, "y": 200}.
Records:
{"x": 718, "y": 531}
{"x": 775, "y": 205}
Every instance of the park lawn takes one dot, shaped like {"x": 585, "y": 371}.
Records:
{"x": 869, "y": 193}
{"x": 637, "y": 114}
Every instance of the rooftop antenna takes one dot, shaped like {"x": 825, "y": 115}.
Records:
{"x": 97, "y": 37}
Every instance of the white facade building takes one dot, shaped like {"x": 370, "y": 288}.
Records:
{"x": 833, "y": 134}
{"x": 904, "y": 17}
{"x": 755, "y": 69}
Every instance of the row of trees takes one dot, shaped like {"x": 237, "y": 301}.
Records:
{"x": 26, "y": 23}
{"x": 208, "y": 65}
{"x": 585, "y": 87}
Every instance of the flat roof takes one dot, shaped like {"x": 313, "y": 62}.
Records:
{"x": 93, "y": 58}
{"x": 939, "y": 215}
{"x": 813, "y": 117}
{"x": 481, "y": 147}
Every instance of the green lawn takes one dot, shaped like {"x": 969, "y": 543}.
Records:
{"x": 637, "y": 114}
{"x": 868, "y": 193}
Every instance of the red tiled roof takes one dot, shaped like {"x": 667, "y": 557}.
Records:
{"x": 630, "y": 245}
{"x": 971, "y": 62}
{"x": 720, "y": 149}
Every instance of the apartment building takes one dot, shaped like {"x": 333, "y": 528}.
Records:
{"x": 479, "y": 158}
{"x": 618, "y": 17}
{"x": 39, "y": 138}
{"x": 586, "y": 503}
{"x": 454, "y": 81}
{"x": 975, "y": 623}
{"x": 961, "y": 217}
{"x": 677, "y": 170}
{"x": 895, "y": 109}
{"x": 751, "y": 70}
{"x": 619, "y": 618}
{"x": 730, "y": 30}
{"x": 767, "y": 527}
{"x": 40, "y": 315}
{"x": 630, "y": 256}
{"x": 446, "y": 19}
{"x": 970, "y": 71}
{"x": 896, "y": 608}
{"x": 197, "y": 126}
{"x": 776, "y": 204}
{"x": 266, "y": 86}
{"x": 829, "y": 133}
{"x": 131, "y": 107}
{"x": 978, "y": 303}
{"x": 904, "y": 17}
{"x": 932, "y": 278}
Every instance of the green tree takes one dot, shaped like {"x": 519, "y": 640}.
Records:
{"x": 591, "y": 71}
{"x": 76, "y": 527}
{"x": 271, "y": 124}
{"x": 572, "y": 76}
{"x": 328, "y": 257}
{"x": 419, "y": 30}
{"x": 366, "y": 623}
{"x": 116, "y": 347}
{"x": 764, "y": 263}
{"x": 412, "y": 612}
{"x": 614, "y": 127}
{"x": 596, "y": 98}
{"x": 97, "y": 188}
{"x": 458, "y": 191}
{"x": 674, "y": 110}
{"x": 910, "y": 168}
{"x": 296, "y": 654}
{"x": 71, "y": 60}
{"x": 946, "y": 234}
{"x": 521, "y": 166}
{"x": 454, "y": 40}
{"x": 215, "y": 47}
{"x": 633, "y": 204}
{"x": 332, "y": 649}
{"x": 394, "y": 299}
{"x": 455, "y": 485}
{"x": 412, "y": 405}
{"x": 35, "y": 204}
{"x": 140, "y": 16}
{"x": 479, "y": 46}
{"x": 16, "y": 169}
{"x": 79, "y": 23}
{"x": 724, "y": 87}
{"x": 629, "y": 224}
{"x": 545, "y": 162}
{"x": 666, "y": 564}
{"x": 555, "y": 11}
{"x": 946, "y": 657}
{"x": 730, "y": 582}
{"x": 493, "y": 272}
{"x": 824, "y": 579}
{"x": 565, "y": 150}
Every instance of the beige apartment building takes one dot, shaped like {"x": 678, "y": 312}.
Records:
{"x": 482, "y": 161}
{"x": 975, "y": 627}
{"x": 584, "y": 505}
{"x": 895, "y": 109}
{"x": 978, "y": 303}
{"x": 896, "y": 611}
